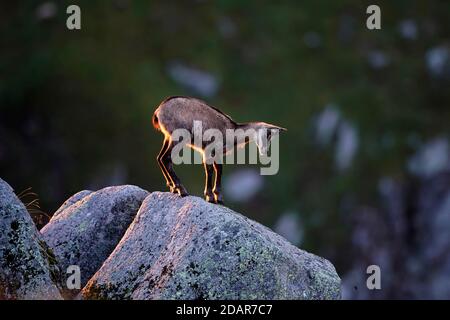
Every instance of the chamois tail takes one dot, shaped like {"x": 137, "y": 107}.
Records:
{"x": 155, "y": 121}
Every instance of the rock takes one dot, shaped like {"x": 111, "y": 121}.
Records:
{"x": 28, "y": 269}
{"x": 347, "y": 145}
{"x": 198, "y": 81}
{"x": 431, "y": 159}
{"x": 438, "y": 61}
{"x": 408, "y": 29}
{"x": 85, "y": 231}
{"x": 312, "y": 40}
{"x": 327, "y": 124}
{"x": 73, "y": 199}
{"x": 290, "y": 227}
{"x": 186, "y": 248}
{"x": 407, "y": 236}
{"x": 243, "y": 184}
{"x": 46, "y": 10}
{"x": 378, "y": 59}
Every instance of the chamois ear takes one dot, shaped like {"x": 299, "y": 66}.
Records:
{"x": 272, "y": 126}
{"x": 281, "y": 128}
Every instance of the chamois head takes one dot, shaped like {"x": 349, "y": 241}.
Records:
{"x": 263, "y": 134}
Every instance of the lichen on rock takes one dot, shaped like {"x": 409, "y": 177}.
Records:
{"x": 88, "y": 227}
{"x": 186, "y": 248}
{"x": 28, "y": 268}
{"x": 130, "y": 244}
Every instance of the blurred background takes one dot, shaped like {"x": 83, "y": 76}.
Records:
{"x": 365, "y": 166}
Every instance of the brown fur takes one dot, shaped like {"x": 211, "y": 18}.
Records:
{"x": 180, "y": 112}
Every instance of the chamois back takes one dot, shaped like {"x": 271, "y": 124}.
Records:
{"x": 181, "y": 112}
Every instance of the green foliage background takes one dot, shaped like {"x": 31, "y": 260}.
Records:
{"x": 74, "y": 104}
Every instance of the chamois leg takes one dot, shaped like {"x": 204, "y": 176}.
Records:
{"x": 218, "y": 183}
{"x": 209, "y": 172}
{"x": 169, "y": 182}
{"x": 167, "y": 163}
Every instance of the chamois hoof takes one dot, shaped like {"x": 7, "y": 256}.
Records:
{"x": 210, "y": 199}
{"x": 181, "y": 191}
{"x": 218, "y": 197}
{"x": 173, "y": 190}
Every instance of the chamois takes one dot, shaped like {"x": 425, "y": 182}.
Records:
{"x": 179, "y": 112}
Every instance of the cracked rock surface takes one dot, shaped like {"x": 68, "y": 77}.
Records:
{"x": 186, "y": 248}
{"x": 87, "y": 228}
{"x": 28, "y": 268}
